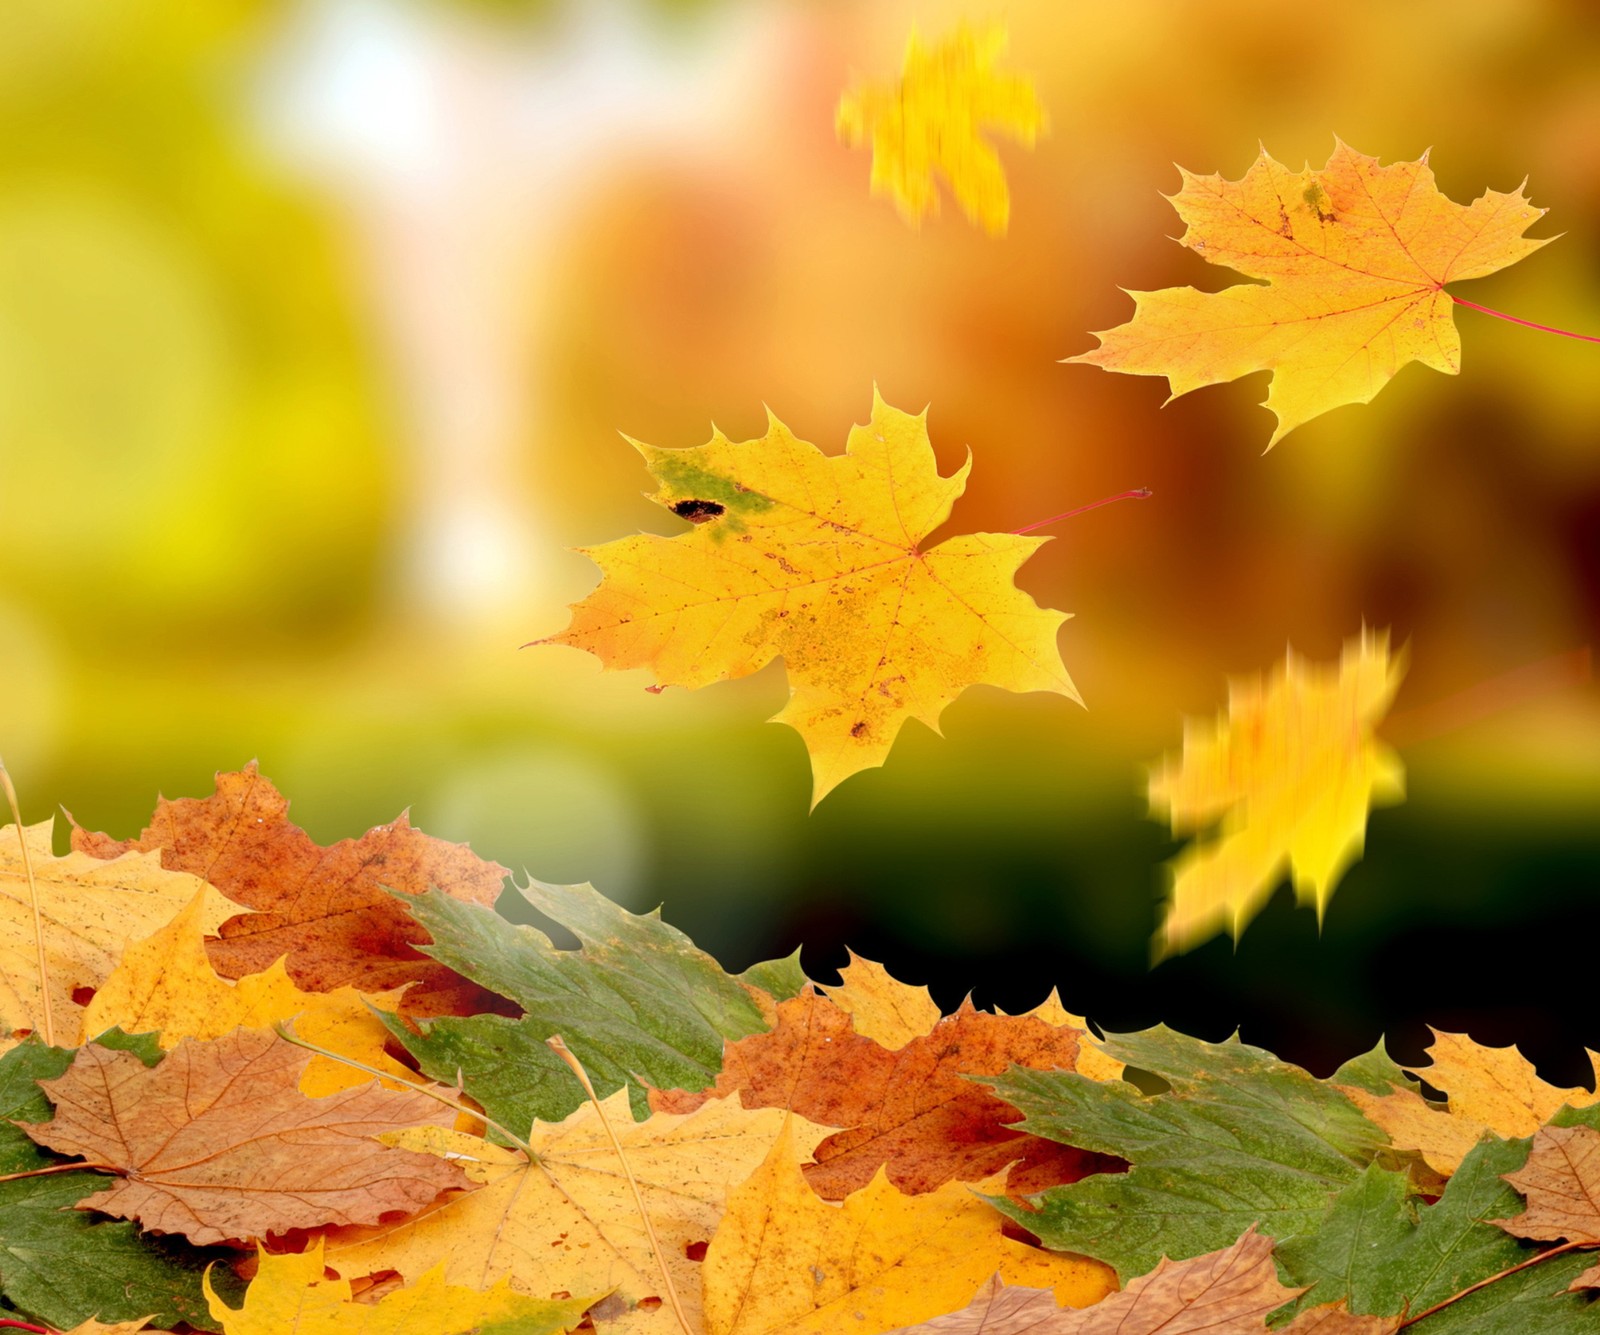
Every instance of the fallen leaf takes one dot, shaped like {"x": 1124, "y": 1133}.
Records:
{"x": 912, "y": 1110}
{"x": 1561, "y": 1180}
{"x": 93, "y": 1327}
{"x": 784, "y": 1262}
{"x": 819, "y": 559}
{"x": 1355, "y": 257}
{"x": 882, "y": 1008}
{"x": 1489, "y": 1089}
{"x": 90, "y": 908}
{"x": 218, "y": 1143}
{"x": 1227, "y": 1292}
{"x": 1093, "y": 1060}
{"x": 166, "y": 985}
{"x": 327, "y": 910}
{"x": 1589, "y": 1279}
{"x": 1289, "y": 773}
{"x": 1337, "y": 1319}
{"x": 569, "y": 1222}
{"x": 290, "y": 1294}
{"x": 933, "y": 120}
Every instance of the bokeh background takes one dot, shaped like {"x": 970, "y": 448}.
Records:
{"x": 319, "y": 321}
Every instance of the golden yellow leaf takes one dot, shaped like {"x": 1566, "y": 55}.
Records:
{"x": 1093, "y": 1060}
{"x": 569, "y": 1222}
{"x": 91, "y": 908}
{"x": 1489, "y": 1089}
{"x": 290, "y": 1296}
{"x": 819, "y": 559}
{"x": 93, "y": 1327}
{"x": 933, "y": 120}
{"x": 166, "y": 984}
{"x": 784, "y": 1262}
{"x": 1289, "y": 773}
{"x": 887, "y": 1011}
{"x": 1356, "y": 257}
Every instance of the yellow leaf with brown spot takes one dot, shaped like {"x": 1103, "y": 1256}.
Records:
{"x": 933, "y": 121}
{"x": 569, "y": 1222}
{"x": 1093, "y": 1060}
{"x": 887, "y": 1011}
{"x": 165, "y": 984}
{"x": 1355, "y": 258}
{"x": 1287, "y": 777}
{"x": 784, "y": 1262}
{"x": 819, "y": 559}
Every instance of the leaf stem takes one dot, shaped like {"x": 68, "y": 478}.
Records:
{"x": 1133, "y": 494}
{"x": 23, "y": 1325}
{"x": 48, "y": 1028}
{"x": 1483, "y": 1283}
{"x": 61, "y": 1168}
{"x": 1501, "y": 315}
{"x": 288, "y": 1036}
{"x": 561, "y": 1050}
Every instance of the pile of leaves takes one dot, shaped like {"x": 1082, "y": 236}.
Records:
{"x": 331, "y": 1090}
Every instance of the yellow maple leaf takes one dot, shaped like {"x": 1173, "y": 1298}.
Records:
{"x": 818, "y": 558}
{"x": 165, "y": 984}
{"x": 1489, "y": 1089}
{"x": 882, "y": 1008}
{"x": 290, "y": 1293}
{"x": 1289, "y": 773}
{"x": 933, "y": 120}
{"x": 569, "y": 1222}
{"x": 1356, "y": 257}
{"x": 785, "y": 1262}
{"x": 90, "y": 908}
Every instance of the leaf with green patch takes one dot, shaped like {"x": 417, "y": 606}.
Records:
{"x": 1239, "y": 1139}
{"x": 638, "y": 1003}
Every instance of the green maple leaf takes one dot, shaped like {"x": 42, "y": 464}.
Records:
{"x": 1239, "y": 1139}
{"x": 1385, "y": 1253}
{"x": 638, "y": 1004}
{"x": 62, "y": 1266}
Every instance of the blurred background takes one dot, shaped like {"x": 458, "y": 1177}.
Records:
{"x": 320, "y": 319}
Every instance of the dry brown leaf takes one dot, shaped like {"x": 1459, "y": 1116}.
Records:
{"x": 218, "y": 1143}
{"x": 1562, "y": 1183}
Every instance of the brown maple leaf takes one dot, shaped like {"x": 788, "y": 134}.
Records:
{"x": 218, "y": 1143}
{"x": 327, "y": 909}
{"x": 909, "y": 1109}
{"x": 1562, "y": 1183}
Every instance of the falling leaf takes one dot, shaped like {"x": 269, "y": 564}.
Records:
{"x": 1290, "y": 774}
{"x": 290, "y": 1294}
{"x": 911, "y": 1110}
{"x": 934, "y": 120}
{"x": 90, "y": 908}
{"x": 166, "y": 985}
{"x": 218, "y": 1143}
{"x": 569, "y": 1222}
{"x": 784, "y": 1262}
{"x": 637, "y": 1000}
{"x": 1562, "y": 1183}
{"x": 1227, "y": 1292}
{"x": 887, "y": 1011}
{"x": 1355, "y": 259}
{"x": 819, "y": 559}
{"x": 1239, "y": 1139}
{"x": 327, "y": 909}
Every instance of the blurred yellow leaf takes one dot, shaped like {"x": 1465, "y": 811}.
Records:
{"x": 933, "y": 119}
{"x": 1289, "y": 773}
{"x": 819, "y": 559}
{"x": 1356, "y": 257}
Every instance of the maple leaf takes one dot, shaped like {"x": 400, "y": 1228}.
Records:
{"x": 638, "y": 1001}
{"x": 1290, "y": 774}
{"x": 89, "y": 909}
{"x": 784, "y": 1262}
{"x": 1355, "y": 257}
{"x": 569, "y": 1222}
{"x": 290, "y": 1293}
{"x": 165, "y": 984}
{"x": 880, "y": 1007}
{"x": 819, "y": 559}
{"x": 1239, "y": 1139}
{"x": 327, "y": 910}
{"x": 64, "y": 1266}
{"x": 218, "y": 1143}
{"x": 911, "y": 1110}
{"x": 933, "y": 121}
{"x": 1561, "y": 1180}
{"x": 1227, "y": 1292}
